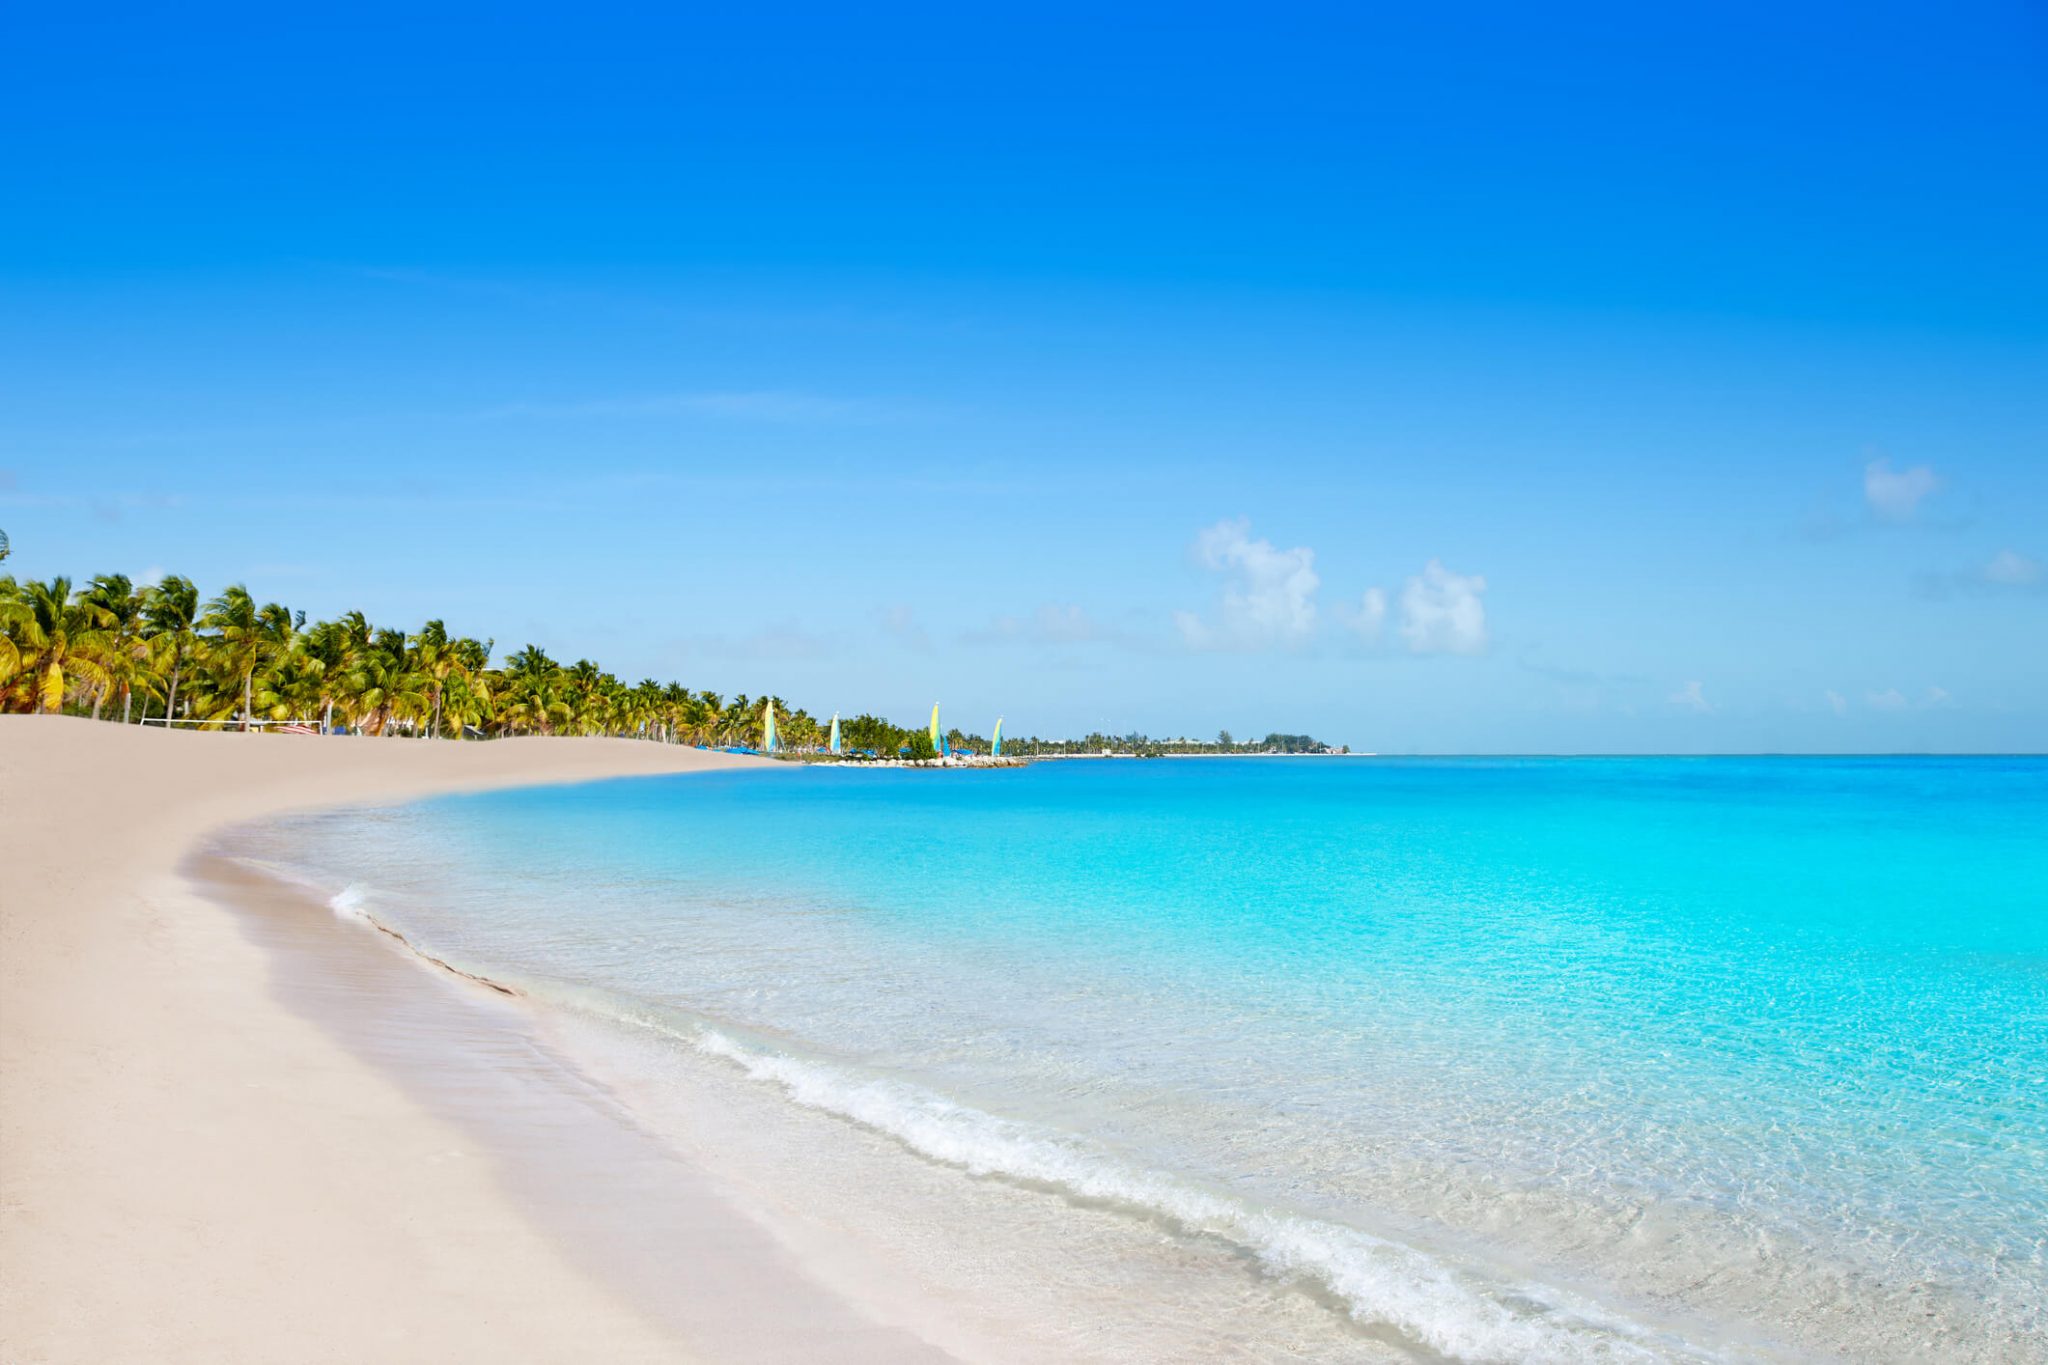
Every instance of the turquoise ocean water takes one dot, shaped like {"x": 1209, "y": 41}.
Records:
{"x": 1503, "y": 1059}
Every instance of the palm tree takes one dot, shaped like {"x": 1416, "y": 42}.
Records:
{"x": 248, "y": 637}
{"x": 530, "y": 692}
{"x": 802, "y": 731}
{"x": 60, "y": 635}
{"x": 235, "y": 661}
{"x": 467, "y": 698}
{"x": 644, "y": 709}
{"x": 292, "y": 687}
{"x": 736, "y": 722}
{"x": 127, "y": 646}
{"x": 170, "y": 610}
{"x": 583, "y": 689}
{"x": 236, "y": 644}
{"x": 350, "y": 642}
{"x": 13, "y": 619}
{"x": 696, "y": 715}
{"x": 384, "y": 684}
{"x": 469, "y": 691}
{"x": 434, "y": 658}
{"x": 325, "y": 648}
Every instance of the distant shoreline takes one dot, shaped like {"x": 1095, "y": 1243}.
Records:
{"x": 1125, "y": 753}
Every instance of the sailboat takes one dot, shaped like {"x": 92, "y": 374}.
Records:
{"x": 768, "y": 742}
{"x": 995, "y": 740}
{"x": 834, "y": 743}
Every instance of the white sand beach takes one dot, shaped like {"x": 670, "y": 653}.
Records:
{"x": 192, "y": 1171}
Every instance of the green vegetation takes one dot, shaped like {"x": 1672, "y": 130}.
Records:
{"x": 115, "y": 651}
{"x": 1145, "y": 746}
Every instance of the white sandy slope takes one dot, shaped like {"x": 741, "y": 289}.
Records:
{"x": 190, "y": 1171}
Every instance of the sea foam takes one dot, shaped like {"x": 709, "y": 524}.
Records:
{"x": 1449, "y": 1309}
{"x": 351, "y": 903}
{"x": 1743, "y": 1052}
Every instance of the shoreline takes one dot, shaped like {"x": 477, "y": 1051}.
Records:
{"x": 663, "y": 1233}
{"x": 191, "y": 1170}
{"x": 898, "y": 1195}
{"x": 964, "y": 1257}
{"x": 235, "y": 1126}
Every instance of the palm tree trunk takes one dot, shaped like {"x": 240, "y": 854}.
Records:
{"x": 126, "y": 698}
{"x": 437, "y": 713}
{"x": 171, "y": 702}
{"x": 99, "y": 694}
{"x": 248, "y": 698}
{"x": 327, "y": 720}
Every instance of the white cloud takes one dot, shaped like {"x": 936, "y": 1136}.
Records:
{"x": 1935, "y": 698}
{"x": 1691, "y": 697}
{"x": 1369, "y": 617}
{"x": 1895, "y": 495}
{"x": 1269, "y": 599}
{"x": 1441, "y": 612}
{"x": 2011, "y": 569}
{"x": 1269, "y": 594}
{"x": 1838, "y": 702}
{"x": 1890, "y": 699}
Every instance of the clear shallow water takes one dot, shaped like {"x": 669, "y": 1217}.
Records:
{"x": 1512, "y": 1060}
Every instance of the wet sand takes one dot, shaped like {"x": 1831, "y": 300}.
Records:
{"x": 239, "y": 1132}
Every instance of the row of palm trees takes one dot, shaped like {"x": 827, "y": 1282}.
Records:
{"x": 146, "y": 654}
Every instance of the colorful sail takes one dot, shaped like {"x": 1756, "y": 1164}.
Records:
{"x": 935, "y": 728}
{"x": 995, "y": 740}
{"x": 768, "y": 726}
{"x": 835, "y": 732}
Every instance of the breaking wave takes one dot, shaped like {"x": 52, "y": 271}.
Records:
{"x": 1448, "y": 1309}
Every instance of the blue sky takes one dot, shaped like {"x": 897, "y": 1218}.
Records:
{"x": 1431, "y": 379}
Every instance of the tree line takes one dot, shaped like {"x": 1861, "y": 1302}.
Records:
{"x": 157, "y": 652}
{"x": 1147, "y": 746}
{"x": 137, "y": 654}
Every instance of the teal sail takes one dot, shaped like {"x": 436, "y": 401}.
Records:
{"x": 768, "y": 727}
{"x": 835, "y": 732}
{"x": 995, "y": 740}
